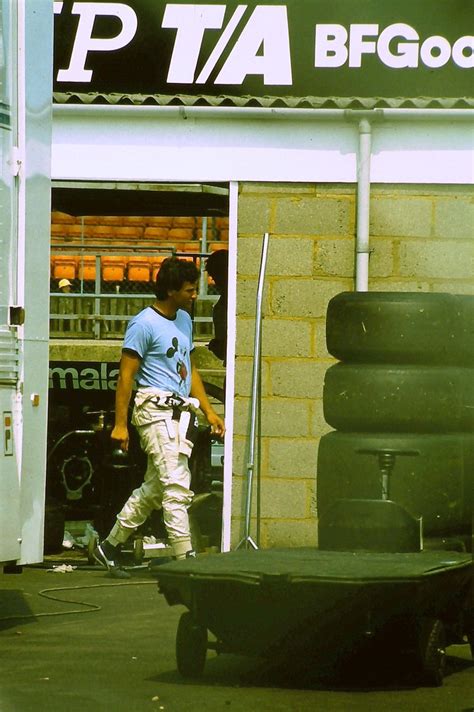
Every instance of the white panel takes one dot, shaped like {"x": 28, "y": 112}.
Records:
{"x": 153, "y": 147}
{"x": 423, "y": 153}
{"x": 95, "y": 148}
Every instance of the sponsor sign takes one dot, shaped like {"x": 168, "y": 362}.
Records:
{"x": 82, "y": 376}
{"x": 298, "y": 48}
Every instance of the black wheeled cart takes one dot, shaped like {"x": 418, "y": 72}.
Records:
{"x": 375, "y": 577}
{"x": 294, "y": 603}
{"x": 370, "y": 580}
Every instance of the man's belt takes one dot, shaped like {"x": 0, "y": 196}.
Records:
{"x": 174, "y": 401}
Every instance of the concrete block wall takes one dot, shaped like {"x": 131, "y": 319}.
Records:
{"x": 421, "y": 240}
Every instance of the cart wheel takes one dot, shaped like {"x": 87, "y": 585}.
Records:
{"x": 138, "y": 551}
{"x": 431, "y": 651}
{"x": 91, "y": 545}
{"x": 470, "y": 640}
{"x": 470, "y": 631}
{"x": 191, "y": 647}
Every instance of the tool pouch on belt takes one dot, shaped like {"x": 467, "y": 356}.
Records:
{"x": 187, "y": 430}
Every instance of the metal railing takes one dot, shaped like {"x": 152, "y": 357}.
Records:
{"x": 100, "y": 309}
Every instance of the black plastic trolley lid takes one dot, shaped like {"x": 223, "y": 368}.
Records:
{"x": 300, "y": 565}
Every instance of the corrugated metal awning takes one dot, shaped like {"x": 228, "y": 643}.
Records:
{"x": 307, "y": 102}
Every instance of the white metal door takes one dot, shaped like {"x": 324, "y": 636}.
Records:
{"x": 10, "y": 524}
{"x": 26, "y": 32}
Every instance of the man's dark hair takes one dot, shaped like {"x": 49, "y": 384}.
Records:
{"x": 172, "y": 274}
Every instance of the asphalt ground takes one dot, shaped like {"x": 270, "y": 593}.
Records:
{"x": 81, "y": 640}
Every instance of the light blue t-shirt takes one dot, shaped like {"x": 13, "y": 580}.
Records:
{"x": 164, "y": 346}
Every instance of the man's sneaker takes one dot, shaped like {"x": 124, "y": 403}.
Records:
{"x": 107, "y": 555}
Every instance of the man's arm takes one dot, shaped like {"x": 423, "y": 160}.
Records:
{"x": 129, "y": 364}
{"x": 198, "y": 391}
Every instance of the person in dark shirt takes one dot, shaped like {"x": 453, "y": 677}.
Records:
{"x": 217, "y": 268}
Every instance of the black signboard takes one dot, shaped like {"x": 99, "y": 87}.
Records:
{"x": 341, "y": 48}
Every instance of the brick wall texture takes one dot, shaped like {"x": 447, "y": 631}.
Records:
{"x": 421, "y": 239}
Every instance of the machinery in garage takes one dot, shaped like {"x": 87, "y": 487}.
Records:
{"x": 88, "y": 482}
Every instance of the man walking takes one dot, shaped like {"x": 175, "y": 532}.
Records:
{"x": 157, "y": 354}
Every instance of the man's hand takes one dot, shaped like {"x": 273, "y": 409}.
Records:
{"x": 120, "y": 434}
{"x": 198, "y": 391}
{"x": 129, "y": 364}
{"x": 216, "y": 423}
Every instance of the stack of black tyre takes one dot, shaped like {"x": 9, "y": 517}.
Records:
{"x": 405, "y": 382}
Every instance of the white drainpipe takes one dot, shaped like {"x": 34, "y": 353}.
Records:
{"x": 265, "y": 113}
{"x": 363, "y": 206}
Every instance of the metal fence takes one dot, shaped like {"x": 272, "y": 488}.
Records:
{"x": 100, "y": 308}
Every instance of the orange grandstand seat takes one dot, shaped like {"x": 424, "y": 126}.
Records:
{"x": 63, "y": 218}
{"x": 224, "y": 235}
{"x": 64, "y": 266}
{"x": 86, "y": 267}
{"x": 216, "y": 245}
{"x": 156, "y": 233}
{"x": 128, "y": 234}
{"x": 139, "y": 269}
{"x": 191, "y": 247}
{"x": 136, "y": 220}
{"x": 185, "y": 222}
{"x": 189, "y": 251}
{"x": 180, "y": 233}
{"x": 210, "y": 233}
{"x": 80, "y": 233}
{"x": 102, "y": 233}
{"x": 159, "y": 221}
{"x": 156, "y": 263}
{"x": 113, "y": 220}
{"x": 113, "y": 268}
{"x": 222, "y": 223}
{"x": 59, "y": 232}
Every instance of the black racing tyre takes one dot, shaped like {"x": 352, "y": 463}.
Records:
{"x": 437, "y": 484}
{"x": 401, "y": 327}
{"x": 393, "y": 398}
{"x": 191, "y": 647}
{"x": 431, "y": 651}
{"x": 469, "y": 621}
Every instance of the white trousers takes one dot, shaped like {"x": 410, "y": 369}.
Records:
{"x": 165, "y": 486}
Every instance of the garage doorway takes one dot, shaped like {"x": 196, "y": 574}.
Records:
{"x": 108, "y": 240}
